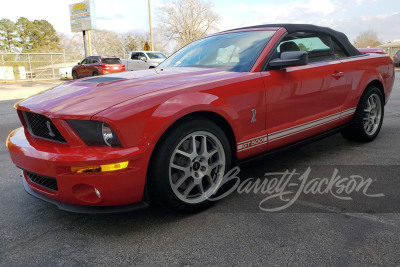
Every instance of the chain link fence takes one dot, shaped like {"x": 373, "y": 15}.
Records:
{"x": 36, "y": 66}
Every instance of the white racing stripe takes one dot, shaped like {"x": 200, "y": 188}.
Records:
{"x": 264, "y": 139}
{"x": 302, "y": 127}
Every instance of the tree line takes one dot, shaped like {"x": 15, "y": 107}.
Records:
{"x": 27, "y": 36}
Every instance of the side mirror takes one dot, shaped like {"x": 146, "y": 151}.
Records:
{"x": 142, "y": 58}
{"x": 79, "y": 63}
{"x": 293, "y": 58}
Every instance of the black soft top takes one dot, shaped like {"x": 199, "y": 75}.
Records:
{"x": 338, "y": 36}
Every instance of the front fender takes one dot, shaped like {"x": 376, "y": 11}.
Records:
{"x": 179, "y": 106}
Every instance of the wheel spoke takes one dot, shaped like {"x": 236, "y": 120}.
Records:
{"x": 194, "y": 146}
{"x": 185, "y": 154}
{"x": 189, "y": 189}
{"x": 181, "y": 168}
{"x": 181, "y": 180}
{"x": 200, "y": 185}
{"x": 214, "y": 164}
{"x": 212, "y": 153}
{"x": 366, "y": 125}
{"x": 370, "y": 127}
{"x": 210, "y": 180}
{"x": 369, "y": 103}
{"x": 204, "y": 145}
{"x": 374, "y": 104}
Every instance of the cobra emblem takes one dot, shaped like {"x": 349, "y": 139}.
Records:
{"x": 51, "y": 133}
{"x": 253, "y": 119}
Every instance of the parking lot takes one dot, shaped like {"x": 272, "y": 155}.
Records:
{"x": 316, "y": 230}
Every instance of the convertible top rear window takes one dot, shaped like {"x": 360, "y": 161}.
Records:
{"x": 235, "y": 51}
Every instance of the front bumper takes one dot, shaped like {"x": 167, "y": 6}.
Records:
{"x": 84, "y": 209}
{"x": 51, "y": 159}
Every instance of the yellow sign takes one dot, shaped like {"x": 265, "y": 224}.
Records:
{"x": 79, "y": 8}
{"x": 82, "y": 16}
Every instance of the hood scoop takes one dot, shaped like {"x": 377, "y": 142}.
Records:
{"x": 102, "y": 79}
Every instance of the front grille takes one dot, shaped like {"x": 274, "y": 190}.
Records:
{"x": 44, "y": 181}
{"x": 41, "y": 126}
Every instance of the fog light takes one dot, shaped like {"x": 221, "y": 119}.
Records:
{"x": 101, "y": 168}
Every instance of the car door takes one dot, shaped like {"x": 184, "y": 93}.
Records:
{"x": 141, "y": 65}
{"x": 90, "y": 66}
{"x": 304, "y": 100}
{"x": 81, "y": 69}
{"x": 133, "y": 61}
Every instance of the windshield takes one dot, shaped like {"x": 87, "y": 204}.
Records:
{"x": 153, "y": 55}
{"x": 232, "y": 51}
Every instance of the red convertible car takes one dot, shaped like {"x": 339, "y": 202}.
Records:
{"x": 168, "y": 135}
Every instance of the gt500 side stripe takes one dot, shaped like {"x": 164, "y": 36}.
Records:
{"x": 264, "y": 139}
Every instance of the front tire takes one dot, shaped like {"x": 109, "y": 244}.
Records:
{"x": 367, "y": 120}
{"x": 188, "y": 165}
{"x": 75, "y": 75}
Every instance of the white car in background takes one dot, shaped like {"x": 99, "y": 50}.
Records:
{"x": 140, "y": 60}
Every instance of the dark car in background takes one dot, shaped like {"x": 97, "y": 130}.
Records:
{"x": 396, "y": 59}
{"x": 97, "y": 65}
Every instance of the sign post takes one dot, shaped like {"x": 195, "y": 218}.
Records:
{"x": 151, "y": 28}
{"x": 82, "y": 18}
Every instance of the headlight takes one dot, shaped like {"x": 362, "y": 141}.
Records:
{"x": 95, "y": 133}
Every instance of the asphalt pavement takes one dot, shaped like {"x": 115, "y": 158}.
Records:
{"x": 316, "y": 230}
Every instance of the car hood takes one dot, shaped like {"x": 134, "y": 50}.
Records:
{"x": 87, "y": 97}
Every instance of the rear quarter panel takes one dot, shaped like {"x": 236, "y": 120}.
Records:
{"x": 365, "y": 69}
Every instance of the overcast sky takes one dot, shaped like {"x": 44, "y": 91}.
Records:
{"x": 348, "y": 16}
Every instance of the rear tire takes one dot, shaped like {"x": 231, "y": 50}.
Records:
{"x": 95, "y": 73}
{"x": 187, "y": 166}
{"x": 367, "y": 120}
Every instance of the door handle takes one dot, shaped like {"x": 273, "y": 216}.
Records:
{"x": 338, "y": 74}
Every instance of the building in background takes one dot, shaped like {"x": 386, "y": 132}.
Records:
{"x": 391, "y": 47}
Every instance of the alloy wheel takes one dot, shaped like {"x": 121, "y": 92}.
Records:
{"x": 372, "y": 114}
{"x": 196, "y": 167}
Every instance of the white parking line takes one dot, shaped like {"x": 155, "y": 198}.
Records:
{"x": 364, "y": 216}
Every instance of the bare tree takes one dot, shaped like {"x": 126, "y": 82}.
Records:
{"x": 106, "y": 43}
{"x": 72, "y": 44}
{"x": 367, "y": 39}
{"x": 187, "y": 20}
{"x": 136, "y": 40}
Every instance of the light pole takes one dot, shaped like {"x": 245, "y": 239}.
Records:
{"x": 151, "y": 28}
